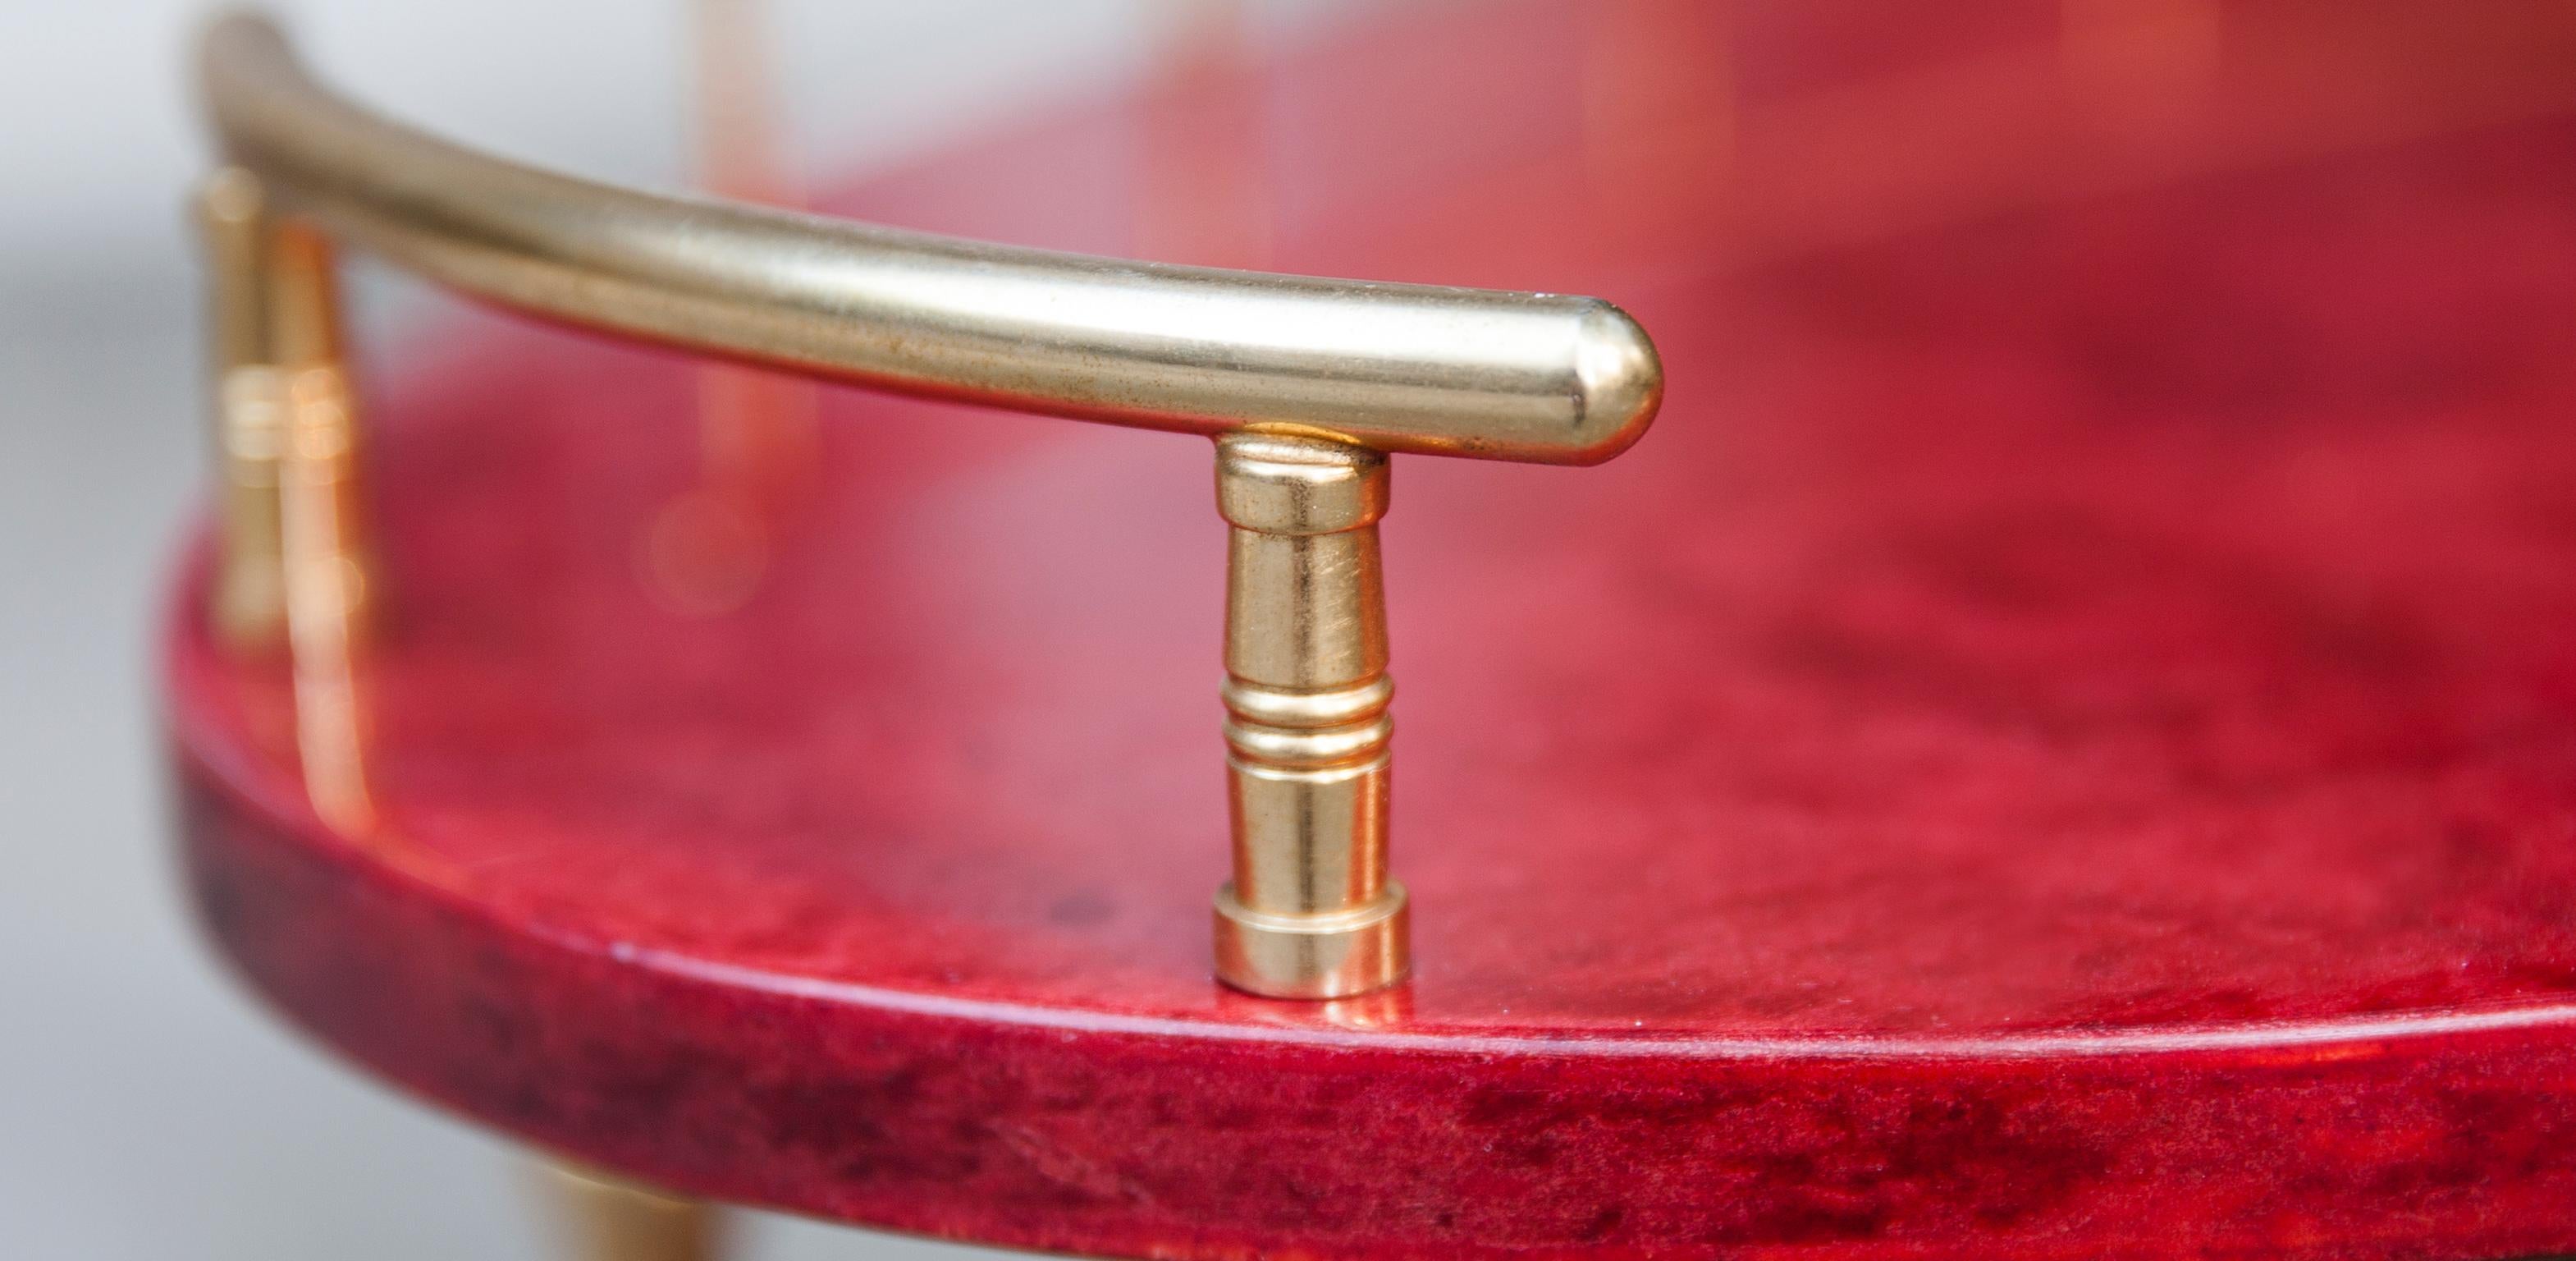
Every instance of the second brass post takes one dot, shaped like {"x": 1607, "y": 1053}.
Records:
{"x": 1310, "y": 912}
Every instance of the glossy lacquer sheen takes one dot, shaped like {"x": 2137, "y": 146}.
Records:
{"x": 2076, "y": 756}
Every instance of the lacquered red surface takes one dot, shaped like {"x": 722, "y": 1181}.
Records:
{"x": 2072, "y": 751}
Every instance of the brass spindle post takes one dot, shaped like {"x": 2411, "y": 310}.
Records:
{"x": 323, "y": 554}
{"x": 249, "y": 594}
{"x": 1310, "y": 912}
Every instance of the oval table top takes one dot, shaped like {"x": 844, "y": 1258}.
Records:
{"x": 2061, "y": 743}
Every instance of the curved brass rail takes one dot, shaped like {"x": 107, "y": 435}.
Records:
{"x": 1515, "y": 376}
{"x": 1305, "y": 383}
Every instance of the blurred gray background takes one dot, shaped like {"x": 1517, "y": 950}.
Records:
{"x": 147, "y": 1108}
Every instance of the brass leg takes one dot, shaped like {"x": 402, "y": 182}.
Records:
{"x": 602, "y": 1218}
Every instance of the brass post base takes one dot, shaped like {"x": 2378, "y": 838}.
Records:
{"x": 1331, "y": 955}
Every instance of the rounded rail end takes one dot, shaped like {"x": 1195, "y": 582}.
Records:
{"x": 1619, "y": 383}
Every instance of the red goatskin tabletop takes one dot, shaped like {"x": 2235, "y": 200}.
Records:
{"x": 2061, "y": 743}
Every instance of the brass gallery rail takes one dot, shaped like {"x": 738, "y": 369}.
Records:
{"x": 1411, "y": 368}
{"x": 1307, "y": 385}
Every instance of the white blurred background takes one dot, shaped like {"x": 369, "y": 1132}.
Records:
{"x": 147, "y": 1108}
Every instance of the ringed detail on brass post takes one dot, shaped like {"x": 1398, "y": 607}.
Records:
{"x": 1310, "y": 912}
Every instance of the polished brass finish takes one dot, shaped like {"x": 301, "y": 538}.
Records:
{"x": 1310, "y": 912}
{"x": 601, "y": 1217}
{"x": 1517, "y": 376}
{"x": 248, "y": 596}
{"x": 1306, "y": 383}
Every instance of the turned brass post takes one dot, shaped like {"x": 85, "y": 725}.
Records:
{"x": 248, "y": 596}
{"x": 1310, "y": 912}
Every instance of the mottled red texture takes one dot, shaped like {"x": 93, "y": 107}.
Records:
{"x": 2061, "y": 744}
